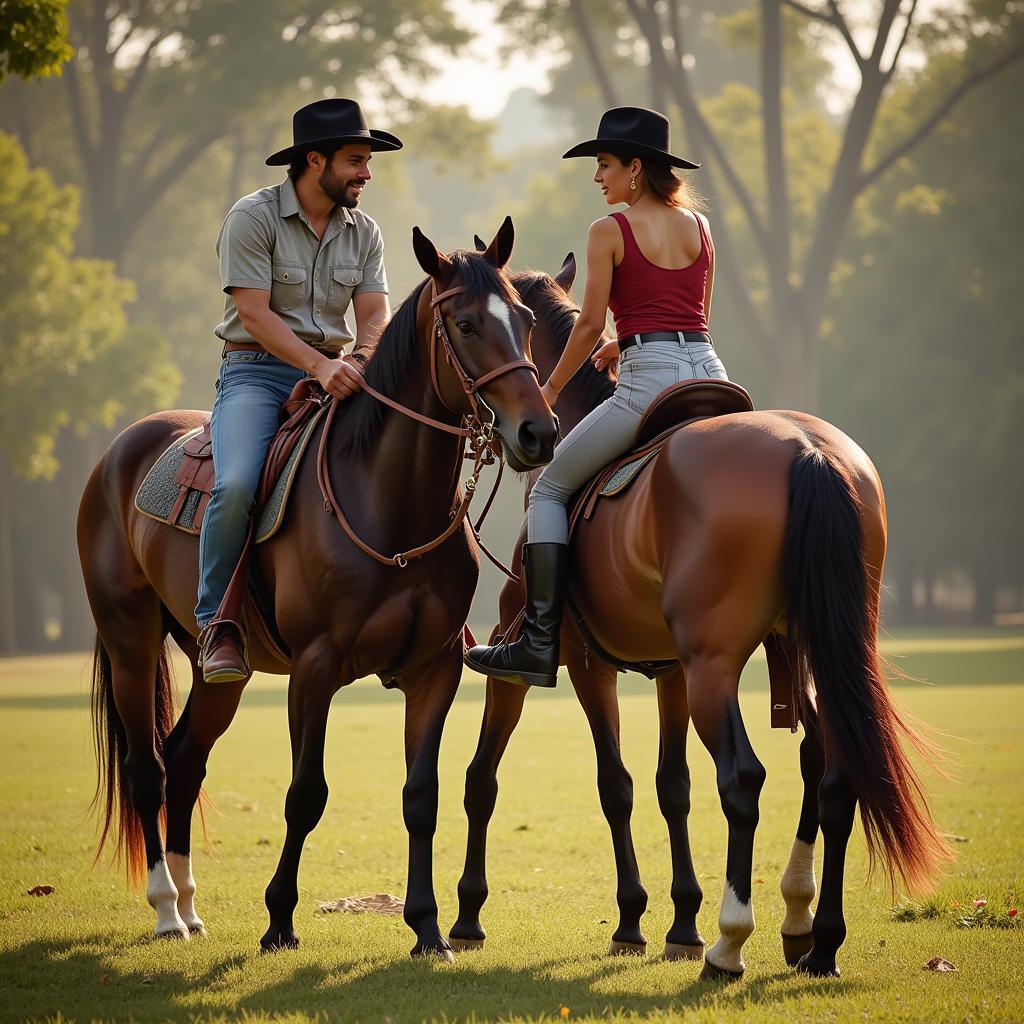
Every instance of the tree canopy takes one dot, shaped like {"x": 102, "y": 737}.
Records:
{"x": 33, "y": 37}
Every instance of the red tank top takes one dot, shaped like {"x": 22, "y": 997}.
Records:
{"x": 645, "y": 297}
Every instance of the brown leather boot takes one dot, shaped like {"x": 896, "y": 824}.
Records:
{"x": 222, "y": 652}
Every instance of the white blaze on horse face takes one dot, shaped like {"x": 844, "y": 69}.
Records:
{"x": 798, "y": 889}
{"x": 735, "y": 925}
{"x": 499, "y": 309}
{"x": 180, "y": 866}
{"x": 162, "y": 896}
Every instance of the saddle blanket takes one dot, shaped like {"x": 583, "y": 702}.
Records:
{"x": 159, "y": 491}
{"x": 626, "y": 474}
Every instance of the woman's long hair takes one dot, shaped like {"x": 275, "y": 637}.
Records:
{"x": 662, "y": 182}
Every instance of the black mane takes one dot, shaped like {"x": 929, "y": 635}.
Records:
{"x": 362, "y": 416}
{"x": 551, "y": 305}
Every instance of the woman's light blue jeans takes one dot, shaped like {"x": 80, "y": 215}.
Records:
{"x": 251, "y": 388}
{"x": 608, "y": 431}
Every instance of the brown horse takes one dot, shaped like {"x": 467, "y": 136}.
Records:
{"x": 343, "y": 615}
{"x": 764, "y": 527}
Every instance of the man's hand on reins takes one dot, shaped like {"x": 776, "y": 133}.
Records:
{"x": 339, "y": 377}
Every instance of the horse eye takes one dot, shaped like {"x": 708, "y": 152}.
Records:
{"x": 465, "y": 327}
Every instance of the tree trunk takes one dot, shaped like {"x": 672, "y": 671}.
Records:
{"x": 8, "y": 633}
{"x": 77, "y": 457}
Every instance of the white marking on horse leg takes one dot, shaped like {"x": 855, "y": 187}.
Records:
{"x": 180, "y": 866}
{"x": 162, "y": 896}
{"x": 735, "y": 924}
{"x": 499, "y": 309}
{"x": 798, "y": 889}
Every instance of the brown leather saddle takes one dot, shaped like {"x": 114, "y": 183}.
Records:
{"x": 195, "y": 474}
{"x": 674, "y": 408}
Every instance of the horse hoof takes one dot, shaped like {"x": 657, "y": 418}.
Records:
{"x": 620, "y": 948}
{"x": 175, "y": 934}
{"x": 710, "y": 972}
{"x": 464, "y": 945}
{"x": 442, "y": 953}
{"x": 796, "y": 946}
{"x": 274, "y": 941}
{"x": 682, "y": 951}
{"x": 817, "y": 968}
{"x": 197, "y": 931}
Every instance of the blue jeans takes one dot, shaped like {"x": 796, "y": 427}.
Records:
{"x": 251, "y": 388}
{"x": 610, "y": 429}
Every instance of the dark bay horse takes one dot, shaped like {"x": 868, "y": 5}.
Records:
{"x": 342, "y": 614}
{"x": 764, "y": 527}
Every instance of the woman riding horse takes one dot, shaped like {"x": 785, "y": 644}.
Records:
{"x": 654, "y": 268}
{"x": 743, "y": 529}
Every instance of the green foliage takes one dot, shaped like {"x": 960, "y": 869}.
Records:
{"x": 33, "y": 37}
{"x": 65, "y": 357}
{"x": 927, "y": 374}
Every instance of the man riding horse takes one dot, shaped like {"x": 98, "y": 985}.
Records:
{"x": 293, "y": 258}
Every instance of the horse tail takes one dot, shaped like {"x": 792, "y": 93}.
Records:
{"x": 832, "y": 618}
{"x": 119, "y": 821}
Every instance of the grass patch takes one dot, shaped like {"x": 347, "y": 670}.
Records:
{"x": 83, "y": 952}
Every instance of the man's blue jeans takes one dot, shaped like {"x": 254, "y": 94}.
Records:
{"x": 251, "y": 388}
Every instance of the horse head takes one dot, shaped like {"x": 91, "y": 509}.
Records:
{"x": 489, "y": 370}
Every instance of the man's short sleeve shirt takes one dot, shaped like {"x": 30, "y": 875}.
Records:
{"x": 266, "y": 242}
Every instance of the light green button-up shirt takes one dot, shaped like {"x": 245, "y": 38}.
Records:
{"x": 266, "y": 242}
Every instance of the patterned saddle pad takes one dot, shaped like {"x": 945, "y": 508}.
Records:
{"x": 159, "y": 492}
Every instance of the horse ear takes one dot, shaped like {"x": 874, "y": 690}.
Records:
{"x": 500, "y": 249}
{"x": 567, "y": 274}
{"x": 480, "y": 244}
{"x": 434, "y": 263}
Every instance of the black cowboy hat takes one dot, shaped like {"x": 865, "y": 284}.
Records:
{"x": 632, "y": 131}
{"x": 334, "y": 121}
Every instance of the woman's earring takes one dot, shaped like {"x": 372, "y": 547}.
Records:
{"x": 632, "y": 184}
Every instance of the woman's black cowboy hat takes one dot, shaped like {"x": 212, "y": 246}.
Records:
{"x": 632, "y": 131}
{"x": 333, "y": 121}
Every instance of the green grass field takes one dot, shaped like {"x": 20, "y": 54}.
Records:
{"x": 84, "y": 952}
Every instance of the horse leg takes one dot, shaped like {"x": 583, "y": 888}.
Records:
{"x": 428, "y": 697}
{"x": 836, "y": 807}
{"x": 312, "y": 685}
{"x": 595, "y": 687}
{"x": 711, "y": 687}
{"x": 136, "y": 656}
{"x": 207, "y": 715}
{"x": 502, "y": 711}
{"x": 683, "y": 941}
{"x": 798, "y": 885}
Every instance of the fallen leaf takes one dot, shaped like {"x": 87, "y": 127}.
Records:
{"x": 937, "y": 963}
{"x": 41, "y": 890}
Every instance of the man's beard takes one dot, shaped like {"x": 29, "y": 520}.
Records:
{"x": 337, "y": 190}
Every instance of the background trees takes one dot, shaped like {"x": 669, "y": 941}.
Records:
{"x": 860, "y": 164}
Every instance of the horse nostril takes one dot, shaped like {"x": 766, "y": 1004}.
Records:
{"x": 529, "y": 442}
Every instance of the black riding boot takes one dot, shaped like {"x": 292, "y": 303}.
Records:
{"x": 532, "y": 660}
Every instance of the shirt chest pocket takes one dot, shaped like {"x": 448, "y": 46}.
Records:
{"x": 290, "y": 288}
{"x": 343, "y": 282}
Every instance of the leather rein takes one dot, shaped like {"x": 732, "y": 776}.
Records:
{"x": 476, "y": 433}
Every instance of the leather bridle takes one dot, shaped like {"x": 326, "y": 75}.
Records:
{"x": 475, "y": 432}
